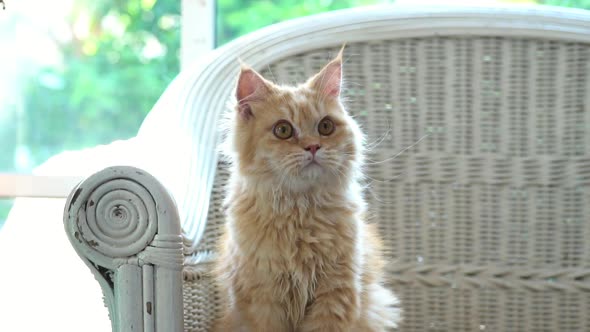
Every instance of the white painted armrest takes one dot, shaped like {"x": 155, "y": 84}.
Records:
{"x": 124, "y": 225}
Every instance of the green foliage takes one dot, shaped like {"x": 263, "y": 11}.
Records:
{"x": 108, "y": 81}
{"x": 5, "y": 206}
{"x": 236, "y": 18}
{"x": 583, "y": 4}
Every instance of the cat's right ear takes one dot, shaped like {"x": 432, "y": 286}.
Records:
{"x": 251, "y": 88}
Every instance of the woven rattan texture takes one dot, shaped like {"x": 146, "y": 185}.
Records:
{"x": 486, "y": 218}
{"x": 201, "y": 299}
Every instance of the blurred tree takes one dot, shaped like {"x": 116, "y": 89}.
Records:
{"x": 236, "y": 18}
{"x": 119, "y": 59}
{"x": 583, "y": 4}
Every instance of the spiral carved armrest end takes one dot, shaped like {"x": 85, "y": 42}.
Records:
{"x": 125, "y": 226}
{"x": 116, "y": 213}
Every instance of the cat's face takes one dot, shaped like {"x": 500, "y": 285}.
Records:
{"x": 297, "y": 137}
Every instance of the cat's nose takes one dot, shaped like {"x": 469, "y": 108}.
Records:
{"x": 313, "y": 148}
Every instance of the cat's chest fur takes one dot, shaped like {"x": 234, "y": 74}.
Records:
{"x": 294, "y": 234}
{"x": 286, "y": 248}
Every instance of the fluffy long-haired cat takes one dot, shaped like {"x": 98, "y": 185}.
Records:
{"x": 297, "y": 254}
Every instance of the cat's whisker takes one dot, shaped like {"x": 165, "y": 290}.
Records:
{"x": 345, "y": 60}
{"x": 385, "y": 180}
{"x": 283, "y": 178}
{"x": 370, "y": 188}
{"x": 287, "y": 159}
{"x": 373, "y": 145}
{"x": 354, "y": 84}
{"x": 364, "y": 158}
{"x": 274, "y": 79}
{"x": 401, "y": 152}
{"x": 277, "y": 191}
{"x": 340, "y": 172}
{"x": 288, "y": 168}
{"x": 332, "y": 164}
{"x": 374, "y": 195}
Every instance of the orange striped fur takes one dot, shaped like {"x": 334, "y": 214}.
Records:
{"x": 298, "y": 254}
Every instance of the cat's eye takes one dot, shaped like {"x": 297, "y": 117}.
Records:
{"x": 326, "y": 126}
{"x": 283, "y": 129}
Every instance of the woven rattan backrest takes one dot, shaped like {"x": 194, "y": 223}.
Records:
{"x": 480, "y": 170}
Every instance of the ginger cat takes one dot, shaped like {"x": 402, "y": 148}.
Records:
{"x": 297, "y": 254}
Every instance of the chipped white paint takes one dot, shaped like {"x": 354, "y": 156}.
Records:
{"x": 125, "y": 227}
{"x": 128, "y": 296}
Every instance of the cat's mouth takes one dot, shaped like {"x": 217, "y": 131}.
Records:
{"x": 311, "y": 169}
{"x": 312, "y": 163}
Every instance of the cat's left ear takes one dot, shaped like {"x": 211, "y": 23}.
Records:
{"x": 329, "y": 80}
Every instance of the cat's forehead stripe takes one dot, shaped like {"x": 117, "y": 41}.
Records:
{"x": 288, "y": 112}
{"x": 302, "y": 108}
{"x": 300, "y": 98}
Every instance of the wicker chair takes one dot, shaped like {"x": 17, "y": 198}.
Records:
{"x": 479, "y": 124}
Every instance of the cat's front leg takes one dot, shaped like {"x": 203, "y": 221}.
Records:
{"x": 260, "y": 314}
{"x": 254, "y": 317}
{"x": 335, "y": 308}
{"x": 252, "y": 307}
